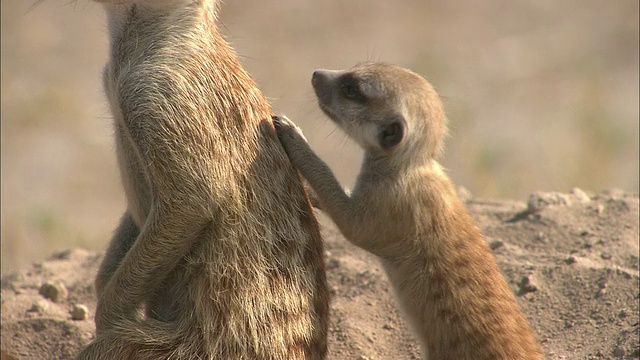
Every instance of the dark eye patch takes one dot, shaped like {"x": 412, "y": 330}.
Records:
{"x": 350, "y": 88}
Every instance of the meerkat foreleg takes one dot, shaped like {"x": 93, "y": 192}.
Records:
{"x": 327, "y": 192}
{"x": 122, "y": 240}
{"x": 164, "y": 239}
{"x": 319, "y": 176}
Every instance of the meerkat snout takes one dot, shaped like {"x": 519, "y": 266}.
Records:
{"x": 381, "y": 106}
{"x": 321, "y": 81}
{"x": 318, "y": 77}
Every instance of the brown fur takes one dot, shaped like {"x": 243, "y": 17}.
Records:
{"x": 219, "y": 255}
{"x": 405, "y": 210}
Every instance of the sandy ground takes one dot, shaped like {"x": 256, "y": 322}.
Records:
{"x": 579, "y": 251}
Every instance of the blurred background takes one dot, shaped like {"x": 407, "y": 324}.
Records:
{"x": 541, "y": 95}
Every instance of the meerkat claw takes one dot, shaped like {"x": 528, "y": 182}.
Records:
{"x": 284, "y": 125}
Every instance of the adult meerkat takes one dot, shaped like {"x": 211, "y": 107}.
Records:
{"x": 405, "y": 210}
{"x": 219, "y": 255}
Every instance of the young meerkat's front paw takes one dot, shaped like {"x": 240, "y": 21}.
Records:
{"x": 294, "y": 143}
{"x": 290, "y": 135}
{"x": 284, "y": 126}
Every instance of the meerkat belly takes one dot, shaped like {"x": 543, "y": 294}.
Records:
{"x": 410, "y": 285}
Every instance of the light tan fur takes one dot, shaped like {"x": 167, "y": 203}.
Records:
{"x": 218, "y": 255}
{"x": 405, "y": 210}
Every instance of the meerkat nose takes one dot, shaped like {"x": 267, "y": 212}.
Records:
{"x": 315, "y": 78}
{"x": 321, "y": 77}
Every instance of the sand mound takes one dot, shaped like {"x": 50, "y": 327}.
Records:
{"x": 571, "y": 258}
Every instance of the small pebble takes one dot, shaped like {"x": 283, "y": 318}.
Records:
{"x": 333, "y": 264}
{"x": 625, "y": 275}
{"x": 568, "y": 324}
{"x": 540, "y": 200}
{"x": 601, "y": 292}
{"x": 618, "y": 352}
{"x": 526, "y": 286}
{"x": 570, "y": 260}
{"x": 614, "y": 193}
{"x": 362, "y": 357}
{"x": 602, "y": 288}
{"x": 387, "y": 327}
{"x": 79, "y": 312}
{"x": 63, "y": 255}
{"x": 605, "y": 256}
{"x": 580, "y": 195}
{"x": 55, "y": 292}
{"x": 39, "y": 307}
{"x": 370, "y": 339}
{"x": 496, "y": 244}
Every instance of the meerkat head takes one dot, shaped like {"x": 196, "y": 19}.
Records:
{"x": 384, "y": 108}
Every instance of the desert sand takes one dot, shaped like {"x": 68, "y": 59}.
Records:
{"x": 572, "y": 260}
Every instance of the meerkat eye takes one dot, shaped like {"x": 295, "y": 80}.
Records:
{"x": 350, "y": 89}
{"x": 391, "y": 135}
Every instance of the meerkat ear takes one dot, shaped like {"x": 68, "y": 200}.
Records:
{"x": 392, "y": 132}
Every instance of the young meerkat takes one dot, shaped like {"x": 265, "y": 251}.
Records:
{"x": 404, "y": 209}
{"x": 218, "y": 255}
